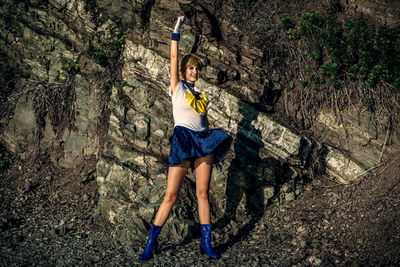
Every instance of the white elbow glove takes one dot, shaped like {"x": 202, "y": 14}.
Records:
{"x": 179, "y": 22}
{"x": 175, "y": 34}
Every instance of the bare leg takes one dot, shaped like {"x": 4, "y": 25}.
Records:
{"x": 203, "y": 168}
{"x": 176, "y": 174}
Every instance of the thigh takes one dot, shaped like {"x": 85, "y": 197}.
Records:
{"x": 176, "y": 174}
{"x": 203, "y": 168}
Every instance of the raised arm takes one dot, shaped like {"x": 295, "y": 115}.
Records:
{"x": 175, "y": 36}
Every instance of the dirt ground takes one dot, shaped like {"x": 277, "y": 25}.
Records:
{"x": 48, "y": 217}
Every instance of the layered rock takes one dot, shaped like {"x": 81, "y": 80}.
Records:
{"x": 265, "y": 165}
{"x": 56, "y": 107}
{"x": 134, "y": 163}
{"x": 63, "y": 111}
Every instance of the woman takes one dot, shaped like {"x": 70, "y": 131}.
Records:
{"x": 192, "y": 145}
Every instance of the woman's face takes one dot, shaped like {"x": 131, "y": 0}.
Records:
{"x": 192, "y": 74}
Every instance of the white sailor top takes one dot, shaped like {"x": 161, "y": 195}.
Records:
{"x": 189, "y": 108}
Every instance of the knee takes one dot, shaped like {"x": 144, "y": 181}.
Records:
{"x": 170, "y": 197}
{"x": 202, "y": 194}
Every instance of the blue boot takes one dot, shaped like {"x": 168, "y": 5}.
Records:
{"x": 205, "y": 244}
{"x": 151, "y": 243}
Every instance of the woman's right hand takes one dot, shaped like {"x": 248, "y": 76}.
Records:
{"x": 179, "y": 22}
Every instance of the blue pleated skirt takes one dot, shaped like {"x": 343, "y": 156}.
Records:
{"x": 187, "y": 144}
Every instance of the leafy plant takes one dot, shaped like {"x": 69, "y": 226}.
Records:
{"x": 110, "y": 51}
{"x": 246, "y": 3}
{"x": 17, "y": 158}
{"x": 121, "y": 84}
{"x": 10, "y": 70}
{"x": 352, "y": 49}
{"x": 71, "y": 67}
{"x": 303, "y": 82}
{"x": 287, "y": 22}
{"x": 348, "y": 61}
{"x": 263, "y": 26}
{"x": 108, "y": 55}
{"x": 106, "y": 85}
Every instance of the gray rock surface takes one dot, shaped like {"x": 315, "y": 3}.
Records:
{"x": 132, "y": 172}
{"x": 63, "y": 105}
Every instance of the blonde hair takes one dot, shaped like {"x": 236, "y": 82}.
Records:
{"x": 190, "y": 60}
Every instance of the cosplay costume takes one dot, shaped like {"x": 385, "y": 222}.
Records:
{"x": 191, "y": 138}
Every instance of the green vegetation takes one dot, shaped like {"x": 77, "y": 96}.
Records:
{"x": 287, "y": 22}
{"x": 340, "y": 51}
{"x": 108, "y": 84}
{"x": 147, "y": 19}
{"x": 348, "y": 50}
{"x": 70, "y": 66}
{"x": 246, "y": 3}
{"x": 145, "y": 15}
{"x": 121, "y": 84}
{"x": 9, "y": 72}
{"x": 108, "y": 55}
{"x": 109, "y": 52}
{"x": 7, "y": 159}
{"x": 347, "y": 64}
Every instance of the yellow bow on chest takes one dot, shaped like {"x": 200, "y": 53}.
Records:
{"x": 198, "y": 101}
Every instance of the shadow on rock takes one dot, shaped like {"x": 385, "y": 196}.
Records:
{"x": 254, "y": 181}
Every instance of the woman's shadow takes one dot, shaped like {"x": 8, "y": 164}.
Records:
{"x": 248, "y": 175}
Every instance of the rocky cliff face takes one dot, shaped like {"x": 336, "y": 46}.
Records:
{"x": 74, "y": 98}
{"x": 55, "y": 103}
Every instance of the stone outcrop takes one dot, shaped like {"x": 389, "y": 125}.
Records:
{"x": 55, "y": 111}
{"x": 266, "y": 164}
{"x": 70, "y": 113}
